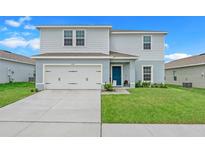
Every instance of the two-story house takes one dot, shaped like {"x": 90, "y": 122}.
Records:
{"x": 86, "y": 57}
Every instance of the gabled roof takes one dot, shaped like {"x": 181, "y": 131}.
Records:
{"x": 84, "y": 55}
{"x": 6, "y": 55}
{"x": 186, "y": 62}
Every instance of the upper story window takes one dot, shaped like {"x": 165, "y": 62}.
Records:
{"x": 147, "y": 73}
{"x": 68, "y": 38}
{"x": 80, "y": 37}
{"x": 147, "y": 42}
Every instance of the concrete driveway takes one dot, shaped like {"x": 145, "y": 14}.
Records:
{"x": 53, "y": 113}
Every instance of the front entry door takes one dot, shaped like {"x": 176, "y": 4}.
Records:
{"x": 116, "y": 74}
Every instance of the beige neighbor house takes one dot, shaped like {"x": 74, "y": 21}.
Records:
{"x": 187, "y": 71}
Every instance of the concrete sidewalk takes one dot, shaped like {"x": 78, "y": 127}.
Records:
{"x": 153, "y": 130}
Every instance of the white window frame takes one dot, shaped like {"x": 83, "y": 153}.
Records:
{"x": 65, "y": 38}
{"x": 151, "y": 73}
{"x": 143, "y": 43}
{"x": 80, "y": 38}
{"x": 74, "y": 38}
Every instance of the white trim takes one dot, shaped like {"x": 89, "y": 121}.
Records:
{"x": 123, "y": 57}
{"x": 73, "y": 26}
{"x": 143, "y": 43}
{"x": 135, "y": 32}
{"x": 151, "y": 72}
{"x": 84, "y": 38}
{"x": 64, "y": 38}
{"x": 74, "y": 38}
{"x": 121, "y": 65}
{"x": 71, "y": 57}
{"x": 16, "y": 61}
{"x": 81, "y": 57}
{"x": 54, "y": 64}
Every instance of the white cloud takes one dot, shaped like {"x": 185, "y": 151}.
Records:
{"x": 176, "y": 56}
{"x": 26, "y": 33}
{"x": 34, "y": 43}
{"x": 12, "y": 23}
{"x": 2, "y": 29}
{"x": 15, "y": 42}
{"x": 26, "y": 18}
{"x": 18, "y": 23}
{"x": 30, "y": 27}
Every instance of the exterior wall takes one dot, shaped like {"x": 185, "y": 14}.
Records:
{"x": 21, "y": 71}
{"x": 39, "y": 68}
{"x": 133, "y": 44}
{"x": 158, "y": 70}
{"x": 189, "y": 74}
{"x": 96, "y": 40}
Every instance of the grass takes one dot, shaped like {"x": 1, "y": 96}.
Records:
{"x": 11, "y": 92}
{"x": 174, "y": 104}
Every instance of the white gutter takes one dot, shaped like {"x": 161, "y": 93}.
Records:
{"x": 82, "y": 57}
{"x": 138, "y": 32}
{"x": 39, "y": 27}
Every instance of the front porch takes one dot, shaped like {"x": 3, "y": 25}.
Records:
{"x": 122, "y": 73}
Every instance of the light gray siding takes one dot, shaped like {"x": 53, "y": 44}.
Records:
{"x": 39, "y": 68}
{"x": 133, "y": 44}
{"x": 96, "y": 40}
{"x": 158, "y": 70}
{"x": 195, "y": 75}
{"x": 21, "y": 71}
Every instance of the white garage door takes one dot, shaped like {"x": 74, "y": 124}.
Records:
{"x": 72, "y": 77}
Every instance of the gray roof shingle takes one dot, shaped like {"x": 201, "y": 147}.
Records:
{"x": 15, "y": 57}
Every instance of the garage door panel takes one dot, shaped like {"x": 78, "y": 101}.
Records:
{"x": 73, "y": 77}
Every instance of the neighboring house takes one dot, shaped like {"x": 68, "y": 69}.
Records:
{"x": 186, "y": 70}
{"x": 15, "y": 68}
{"x": 86, "y": 57}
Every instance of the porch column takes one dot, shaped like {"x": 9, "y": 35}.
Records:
{"x": 132, "y": 73}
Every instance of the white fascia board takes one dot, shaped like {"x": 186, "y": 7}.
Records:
{"x": 39, "y": 27}
{"x": 16, "y": 61}
{"x": 69, "y": 57}
{"x": 124, "y": 58}
{"x": 139, "y": 33}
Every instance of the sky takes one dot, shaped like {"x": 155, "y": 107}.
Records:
{"x": 186, "y": 35}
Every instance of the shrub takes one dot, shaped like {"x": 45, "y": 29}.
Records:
{"x": 146, "y": 84}
{"x": 163, "y": 85}
{"x": 108, "y": 87}
{"x": 32, "y": 90}
{"x": 36, "y": 90}
{"x": 138, "y": 84}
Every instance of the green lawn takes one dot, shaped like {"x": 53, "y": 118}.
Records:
{"x": 155, "y": 105}
{"x": 11, "y": 92}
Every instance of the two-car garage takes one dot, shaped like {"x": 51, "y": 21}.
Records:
{"x": 69, "y": 76}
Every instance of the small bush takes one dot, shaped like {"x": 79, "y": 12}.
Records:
{"x": 32, "y": 90}
{"x": 146, "y": 84}
{"x": 36, "y": 90}
{"x": 108, "y": 87}
{"x": 138, "y": 84}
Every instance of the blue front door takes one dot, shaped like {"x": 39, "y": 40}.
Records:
{"x": 116, "y": 74}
